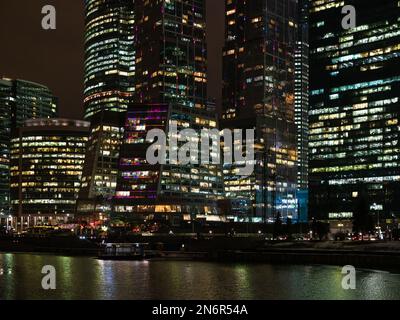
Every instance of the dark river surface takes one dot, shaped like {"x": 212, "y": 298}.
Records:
{"x": 89, "y": 278}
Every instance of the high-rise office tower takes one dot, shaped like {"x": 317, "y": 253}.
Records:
{"x": 301, "y": 101}
{"x": 170, "y": 87}
{"x": 109, "y": 55}
{"x": 28, "y": 100}
{"x": 47, "y": 158}
{"x": 258, "y": 77}
{"x": 106, "y": 133}
{"x": 354, "y": 109}
{"x": 99, "y": 178}
{"x": 170, "y": 44}
{"x": 5, "y": 124}
{"x": 109, "y": 86}
{"x": 169, "y": 191}
{"x": 19, "y": 100}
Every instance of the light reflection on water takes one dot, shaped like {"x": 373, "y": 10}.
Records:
{"x": 88, "y": 278}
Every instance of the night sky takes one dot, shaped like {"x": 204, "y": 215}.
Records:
{"x": 55, "y": 57}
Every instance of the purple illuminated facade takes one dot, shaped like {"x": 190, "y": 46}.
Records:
{"x": 138, "y": 180}
{"x": 166, "y": 192}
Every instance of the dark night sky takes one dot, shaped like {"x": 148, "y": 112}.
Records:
{"x": 55, "y": 57}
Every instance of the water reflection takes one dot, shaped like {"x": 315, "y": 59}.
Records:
{"x": 88, "y": 278}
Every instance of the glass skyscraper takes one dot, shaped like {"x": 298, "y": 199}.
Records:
{"x": 301, "y": 103}
{"x": 354, "y": 109}
{"x": 170, "y": 86}
{"x": 109, "y": 55}
{"x": 170, "y": 43}
{"x": 171, "y": 191}
{"x": 258, "y": 93}
{"x": 19, "y": 100}
{"x": 109, "y": 86}
{"x": 6, "y": 102}
{"x": 99, "y": 178}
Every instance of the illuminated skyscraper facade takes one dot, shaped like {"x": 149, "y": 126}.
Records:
{"x": 19, "y": 100}
{"x": 258, "y": 92}
{"x": 6, "y": 98}
{"x": 170, "y": 87}
{"x": 354, "y": 109}
{"x": 99, "y": 178}
{"x": 47, "y": 158}
{"x": 171, "y": 53}
{"x": 109, "y": 55}
{"x": 169, "y": 191}
{"x": 301, "y": 104}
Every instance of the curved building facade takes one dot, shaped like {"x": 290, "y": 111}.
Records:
{"x": 109, "y": 55}
{"x": 47, "y": 157}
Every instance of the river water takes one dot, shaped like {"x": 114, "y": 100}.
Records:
{"x": 89, "y": 278}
